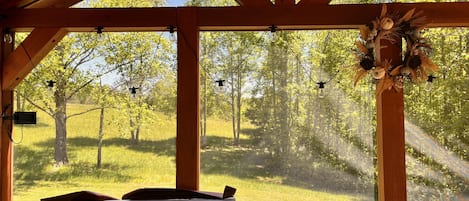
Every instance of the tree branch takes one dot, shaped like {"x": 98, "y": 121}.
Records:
{"x": 84, "y": 112}
{"x": 91, "y": 80}
{"x": 37, "y": 106}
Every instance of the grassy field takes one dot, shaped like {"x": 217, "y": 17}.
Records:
{"x": 149, "y": 164}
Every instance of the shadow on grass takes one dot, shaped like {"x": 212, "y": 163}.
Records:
{"x": 162, "y": 147}
{"x": 218, "y": 156}
{"x": 166, "y": 147}
{"x": 37, "y": 125}
{"x": 32, "y": 166}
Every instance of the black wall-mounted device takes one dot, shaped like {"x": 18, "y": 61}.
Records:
{"x": 22, "y": 117}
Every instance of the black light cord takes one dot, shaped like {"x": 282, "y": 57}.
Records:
{"x": 10, "y": 127}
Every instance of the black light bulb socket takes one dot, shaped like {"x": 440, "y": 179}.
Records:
{"x": 430, "y": 78}
{"x": 6, "y": 30}
{"x": 133, "y": 90}
{"x": 50, "y": 83}
{"x": 99, "y": 29}
{"x": 220, "y": 82}
{"x": 273, "y": 28}
{"x": 321, "y": 85}
{"x": 172, "y": 28}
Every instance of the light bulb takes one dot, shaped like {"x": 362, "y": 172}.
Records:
{"x": 273, "y": 32}
{"x": 172, "y": 37}
{"x": 428, "y": 86}
{"x": 7, "y": 38}
{"x": 321, "y": 93}
{"x": 172, "y": 33}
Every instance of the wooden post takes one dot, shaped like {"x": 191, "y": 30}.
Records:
{"x": 390, "y": 134}
{"x": 188, "y": 140}
{"x": 6, "y": 146}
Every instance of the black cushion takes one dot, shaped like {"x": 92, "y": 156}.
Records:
{"x": 80, "y": 196}
{"x": 165, "y": 193}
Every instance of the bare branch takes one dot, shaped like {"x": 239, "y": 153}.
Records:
{"x": 84, "y": 112}
{"x": 48, "y": 111}
{"x": 92, "y": 79}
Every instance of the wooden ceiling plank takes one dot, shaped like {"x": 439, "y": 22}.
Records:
{"x": 28, "y": 54}
{"x": 313, "y": 2}
{"x": 254, "y": 2}
{"x": 232, "y": 18}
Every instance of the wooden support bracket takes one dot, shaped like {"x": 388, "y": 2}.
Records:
{"x": 28, "y": 54}
{"x": 254, "y": 2}
{"x": 313, "y": 2}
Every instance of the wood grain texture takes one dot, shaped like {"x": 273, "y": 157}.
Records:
{"x": 319, "y": 16}
{"x": 254, "y": 2}
{"x": 391, "y": 134}
{"x": 188, "y": 118}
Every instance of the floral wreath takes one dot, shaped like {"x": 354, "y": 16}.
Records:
{"x": 415, "y": 66}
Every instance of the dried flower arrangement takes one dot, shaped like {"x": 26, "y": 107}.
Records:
{"x": 415, "y": 66}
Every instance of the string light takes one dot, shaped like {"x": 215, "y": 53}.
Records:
{"x": 220, "y": 82}
{"x": 429, "y": 83}
{"x": 7, "y": 36}
{"x": 321, "y": 90}
{"x": 133, "y": 91}
{"x": 272, "y": 31}
{"x": 172, "y": 33}
{"x": 50, "y": 84}
{"x": 99, "y": 30}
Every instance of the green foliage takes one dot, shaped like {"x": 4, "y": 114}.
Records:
{"x": 143, "y": 61}
{"x": 121, "y": 3}
{"x": 65, "y": 65}
{"x": 440, "y": 112}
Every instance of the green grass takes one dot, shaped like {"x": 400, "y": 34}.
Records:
{"x": 150, "y": 164}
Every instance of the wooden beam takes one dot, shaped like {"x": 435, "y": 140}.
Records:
{"x": 313, "y": 2}
{"x": 231, "y": 18}
{"x": 6, "y": 146}
{"x": 254, "y": 2}
{"x": 11, "y": 4}
{"x": 284, "y": 2}
{"x": 390, "y": 134}
{"x": 28, "y": 54}
{"x": 324, "y": 16}
{"x": 188, "y": 140}
{"x": 87, "y": 19}
{"x": 53, "y": 3}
